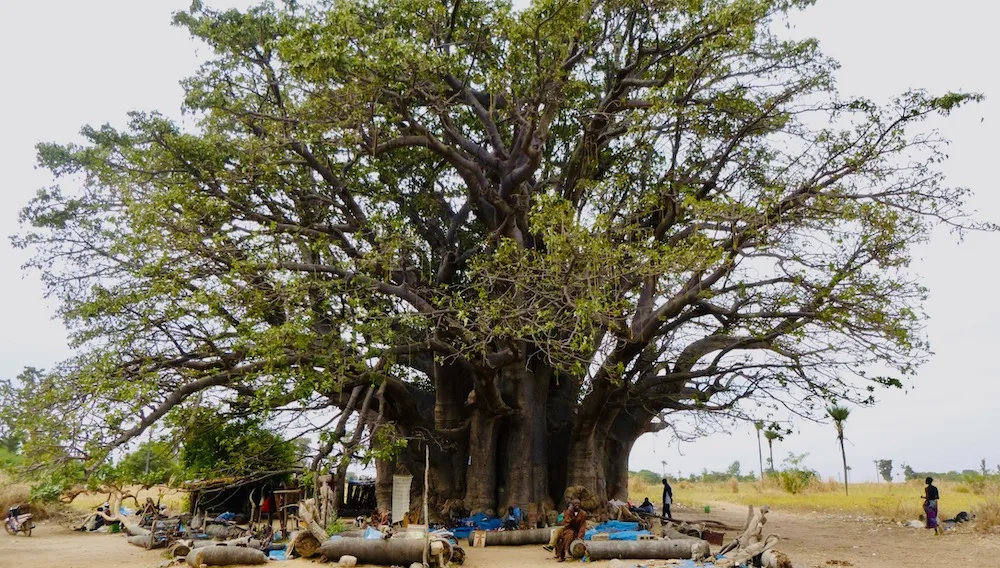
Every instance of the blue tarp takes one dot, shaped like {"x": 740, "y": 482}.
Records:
{"x": 476, "y": 523}
{"x": 372, "y": 534}
{"x": 462, "y": 532}
{"x": 616, "y": 526}
{"x": 617, "y": 530}
{"x": 627, "y": 535}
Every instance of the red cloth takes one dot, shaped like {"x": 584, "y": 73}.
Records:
{"x": 268, "y": 505}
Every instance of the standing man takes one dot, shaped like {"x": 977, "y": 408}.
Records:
{"x": 574, "y": 528}
{"x": 931, "y": 497}
{"x": 668, "y": 499}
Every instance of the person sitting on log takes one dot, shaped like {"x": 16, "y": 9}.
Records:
{"x": 647, "y": 508}
{"x": 574, "y": 528}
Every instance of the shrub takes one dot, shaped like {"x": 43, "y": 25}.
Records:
{"x": 795, "y": 481}
{"x": 976, "y": 482}
{"x": 648, "y": 477}
{"x": 988, "y": 515}
{"x": 336, "y": 526}
{"x": 12, "y": 493}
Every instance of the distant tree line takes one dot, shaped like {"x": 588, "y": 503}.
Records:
{"x": 732, "y": 472}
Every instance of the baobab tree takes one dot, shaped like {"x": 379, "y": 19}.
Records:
{"x": 521, "y": 238}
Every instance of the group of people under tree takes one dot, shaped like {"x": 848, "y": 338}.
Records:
{"x": 574, "y": 521}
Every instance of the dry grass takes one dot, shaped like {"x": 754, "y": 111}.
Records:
{"x": 14, "y": 493}
{"x": 897, "y": 501}
{"x": 174, "y": 499}
{"x": 988, "y": 513}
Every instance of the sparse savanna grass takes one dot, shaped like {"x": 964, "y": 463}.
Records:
{"x": 896, "y": 501}
{"x": 174, "y": 499}
{"x": 13, "y": 492}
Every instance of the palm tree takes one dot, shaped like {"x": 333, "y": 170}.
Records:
{"x": 839, "y": 415}
{"x": 771, "y": 436}
{"x": 759, "y": 425}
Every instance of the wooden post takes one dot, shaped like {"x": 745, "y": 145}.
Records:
{"x": 427, "y": 519}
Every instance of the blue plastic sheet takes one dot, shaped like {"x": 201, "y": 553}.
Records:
{"x": 617, "y": 530}
{"x": 616, "y": 526}
{"x": 462, "y": 532}
{"x": 276, "y": 555}
{"x": 372, "y": 534}
{"x": 627, "y": 535}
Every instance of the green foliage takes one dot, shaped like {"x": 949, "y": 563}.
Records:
{"x": 884, "y": 469}
{"x": 732, "y": 472}
{"x": 336, "y": 526}
{"x": 794, "y": 477}
{"x": 56, "y": 482}
{"x": 215, "y": 447}
{"x": 977, "y": 482}
{"x": 10, "y": 460}
{"x": 152, "y": 463}
{"x": 416, "y": 194}
{"x": 838, "y": 413}
{"x": 647, "y": 477}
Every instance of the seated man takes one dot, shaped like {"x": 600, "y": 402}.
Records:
{"x": 647, "y": 507}
{"x": 512, "y": 520}
{"x": 574, "y": 528}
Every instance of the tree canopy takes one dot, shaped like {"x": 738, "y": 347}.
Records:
{"x": 523, "y": 236}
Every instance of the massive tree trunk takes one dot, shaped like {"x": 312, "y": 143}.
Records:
{"x": 525, "y": 440}
{"x": 524, "y": 459}
{"x": 481, "y": 475}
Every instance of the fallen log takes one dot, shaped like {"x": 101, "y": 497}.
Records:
{"x": 307, "y": 513}
{"x": 178, "y": 550}
{"x": 147, "y": 541}
{"x": 224, "y": 556}
{"x": 441, "y": 550}
{"x": 302, "y": 543}
{"x": 245, "y": 542}
{"x": 223, "y": 531}
{"x": 132, "y": 527}
{"x": 644, "y": 549}
{"x": 775, "y": 559}
{"x": 516, "y": 538}
{"x": 709, "y": 523}
{"x": 391, "y": 552}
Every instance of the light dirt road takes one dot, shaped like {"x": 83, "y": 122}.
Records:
{"x": 811, "y": 540}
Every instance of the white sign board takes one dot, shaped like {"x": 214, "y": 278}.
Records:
{"x": 400, "y": 496}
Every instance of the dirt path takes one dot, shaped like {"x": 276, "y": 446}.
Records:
{"x": 811, "y": 540}
{"x": 816, "y": 539}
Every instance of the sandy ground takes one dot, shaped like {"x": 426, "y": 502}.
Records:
{"x": 811, "y": 540}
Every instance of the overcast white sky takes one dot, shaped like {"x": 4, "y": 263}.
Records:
{"x": 70, "y": 63}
